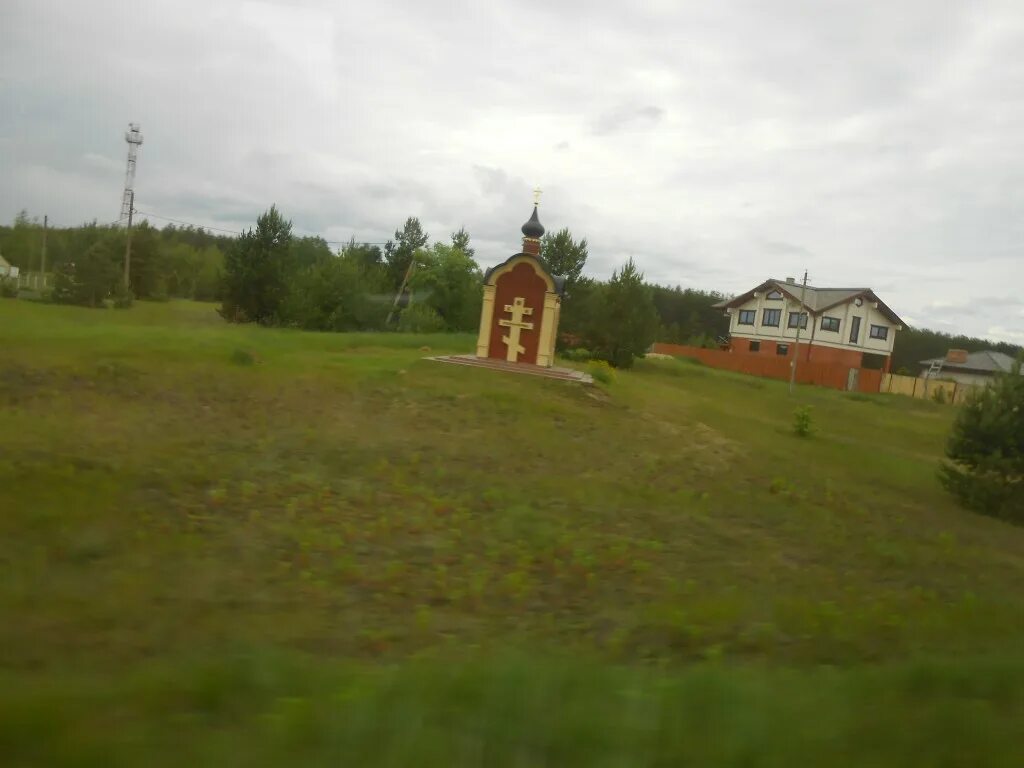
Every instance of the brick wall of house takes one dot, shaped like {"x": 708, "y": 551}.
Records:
{"x": 832, "y": 373}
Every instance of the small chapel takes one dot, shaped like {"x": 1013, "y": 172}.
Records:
{"x": 522, "y": 301}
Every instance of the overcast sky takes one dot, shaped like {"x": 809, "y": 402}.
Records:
{"x": 719, "y": 142}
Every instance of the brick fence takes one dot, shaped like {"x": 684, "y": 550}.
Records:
{"x": 808, "y": 371}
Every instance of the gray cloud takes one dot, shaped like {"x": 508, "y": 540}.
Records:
{"x": 718, "y": 143}
{"x": 623, "y": 118}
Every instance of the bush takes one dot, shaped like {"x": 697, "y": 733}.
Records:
{"x": 420, "y": 318}
{"x": 8, "y": 288}
{"x": 580, "y": 354}
{"x": 123, "y": 298}
{"x": 159, "y": 292}
{"x": 335, "y": 294}
{"x": 601, "y": 371}
{"x": 985, "y": 471}
{"x": 243, "y": 357}
{"x": 803, "y": 422}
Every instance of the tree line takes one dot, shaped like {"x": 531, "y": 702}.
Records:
{"x": 412, "y": 285}
{"x": 87, "y": 261}
{"x": 913, "y": 345}
{"x": 270, "y": 275}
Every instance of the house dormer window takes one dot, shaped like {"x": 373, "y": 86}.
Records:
{"x": 746, "y": 317}
{"x": 774, "y": 296}
{"x": 830, "y": 324}
{"x": 771, "y": 317}
{"x": 879, "y": 332}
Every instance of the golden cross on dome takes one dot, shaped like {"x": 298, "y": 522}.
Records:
{"x": 536, "y": 195}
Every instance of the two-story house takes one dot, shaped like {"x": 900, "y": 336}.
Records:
{"x": 847, "y": 326}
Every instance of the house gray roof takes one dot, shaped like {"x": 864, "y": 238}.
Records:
{"x": 817, "y": 300}
{"x": 988, "y": 361}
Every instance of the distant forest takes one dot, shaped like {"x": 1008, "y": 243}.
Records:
{"x": 189, "y": 262}
{"x": 179, "y": 262}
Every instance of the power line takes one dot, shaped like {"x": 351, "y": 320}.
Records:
{"x": 188, "y": 223}
{"x": 236, "y": 232}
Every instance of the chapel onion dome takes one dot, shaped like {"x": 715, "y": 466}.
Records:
{"x": 533, "y": 228}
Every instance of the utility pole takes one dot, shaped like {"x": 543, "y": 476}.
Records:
{"x": 42, "y": 255}
{"x": 134, "y": 138}
{"x": 799, "y": 324}
{"x": 401, "y": 290}
{"x": 128, "y": 241}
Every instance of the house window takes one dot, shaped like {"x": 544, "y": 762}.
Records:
{"x": 771, "y": 317}
{"x": 873, "y": 362}
{"x": 782, "y": 350}
{"x": 755, "y": 346}
{"x": 798, "y": 317}
{"x": 879, "y": 332}
{"x": 830, "y": 324}
{"x": 774, "y": 296}
{"x": 746, "y": 317}
{"x": 854, "y": 330}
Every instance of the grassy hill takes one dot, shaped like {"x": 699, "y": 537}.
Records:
{"x": 254, "y": 544}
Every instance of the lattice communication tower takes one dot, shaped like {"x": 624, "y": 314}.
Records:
{"x": 134, "y": 138}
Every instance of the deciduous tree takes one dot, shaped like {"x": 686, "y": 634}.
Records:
{"x": 448, "y": 280}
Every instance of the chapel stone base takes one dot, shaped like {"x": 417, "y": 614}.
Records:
{"x": 545, "y": 371}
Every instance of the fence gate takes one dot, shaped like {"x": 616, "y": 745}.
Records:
{"x": 852, "y": 378}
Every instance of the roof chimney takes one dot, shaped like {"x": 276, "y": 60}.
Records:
{"x": 791, "y": 280}
{"x": 956, "y": 356}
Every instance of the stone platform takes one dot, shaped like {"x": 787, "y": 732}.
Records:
{"x": 562, "y": 374}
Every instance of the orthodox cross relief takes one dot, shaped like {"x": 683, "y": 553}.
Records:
{"x": 516, "y": 325}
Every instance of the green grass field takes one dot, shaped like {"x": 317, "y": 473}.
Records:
{"x": 240, "y": 546}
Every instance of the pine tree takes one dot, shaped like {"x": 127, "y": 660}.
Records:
{"x": 398, "y": 253}
{"x": 257, "y": 270}
{"x": 460, "y": 241}
{"x": 564, "y": 256}
{"x": 985, "y": 471}
{"x": 89, "y": 280}
{"x": 622, "y": 320}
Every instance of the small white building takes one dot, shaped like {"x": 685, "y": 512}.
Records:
{"x": 6, "y": 270}
{"x": 963, "y": 367}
